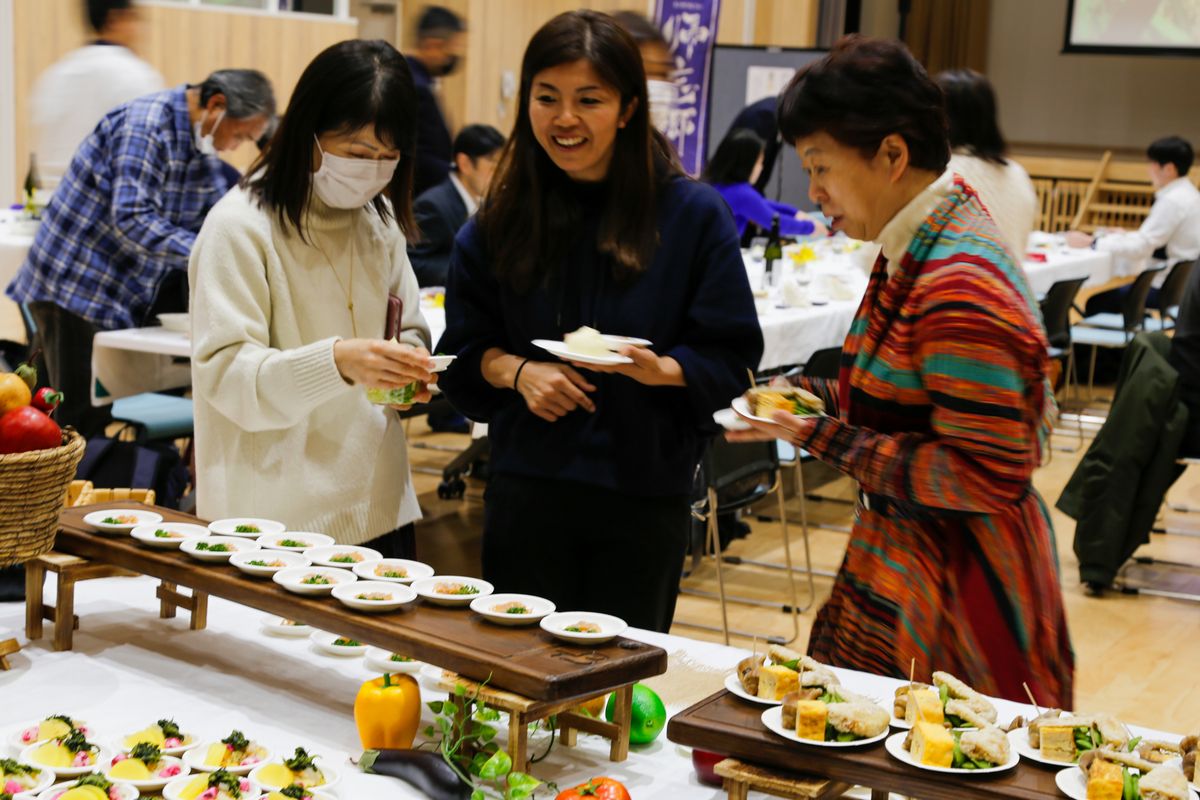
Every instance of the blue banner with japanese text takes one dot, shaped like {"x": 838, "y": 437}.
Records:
{"x": 690, "y": 28}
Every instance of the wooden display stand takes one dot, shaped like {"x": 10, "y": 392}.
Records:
{"x": 522, "y": 712}
{"x": 741, "y": 778}
{"x": 8, "y": 647}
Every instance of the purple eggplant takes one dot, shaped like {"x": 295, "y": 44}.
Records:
{"x": 424, "y": 770}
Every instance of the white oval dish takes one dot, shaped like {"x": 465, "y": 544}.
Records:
{"x": 274, "y": 626}
{"x": 171, "y": 790}
{"x": 556, "y": 624}
{"x": 46, "y": 779}
{"x": 235, "y": 545}
{"x": 1073, "y": 783}
{"x": 190, "y": 741}
{"x": 228, "y": 527}
{"x": 324, "y": 641}
{"x": 155, "y": 783}
{"x": 332, "y": 776}
{"x": 125, "y": 791}
{"x": 773, "y": 719}
{"x": 399, "y": 595}
{"x": 194, "y": 758}
{"x": 415, "y": 570}
{"x": 182, "y": 532}
{"x": 728, "y": 419}
{"x": 538, "y": 607}
{"x": 285, "y": 559}
{"x": 307, "y": 541}
{"x": 561, "y": 350}
{"x": 292, "y": 579}
{"x": 95, "y": 520}
{"x": 20, "y": 744}
{"x": 426, "y": 588}
{"x": 379, "y": 660}
{"x": 735, "y": 687}
{"x": 102, "y": 756}
{"x": 895, "y": 746}
{"x": 324, "y": 556}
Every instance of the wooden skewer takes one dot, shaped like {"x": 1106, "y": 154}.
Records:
{"x": 1035, "y": 702}
{"x": 750, "y": 372}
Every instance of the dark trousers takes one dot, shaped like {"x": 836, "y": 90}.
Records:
{"x": 400, "y": 543}
{"x": 66, "y": 343}
{"x": 586, "y": 548}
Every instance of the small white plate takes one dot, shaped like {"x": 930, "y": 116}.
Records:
{"x": 102, "y": 756}
{"x": 332, "y": 776}
{"x": 895, "y": 746}
{"x": 560, "y": 349}
{"x": 398, "y": 595}
{"x": 634, "y": 341}
{"x": 180, "y": 323}
{"x": 275, "y": 627}
{"x": 735, "y": 687}
{"x": 20, "y": 744}
{"x": 194, "y": 758}
{"x": 728, "y": 419}
{"x": 180, "y": 530}
{"x": 235, "y": 545}
{"x": 415, "y": 570}
{"x": 441, "y": 362}
{"x": 292, "y": 579}
{"x": 190, "y": 741}
{"x": 431, "y": 676}
{"x": 538, "y": 608}
{"x": 380, "y": 660}
{"x": 610, "y": 626}
{"x": 773, "y": 719}
{"x": 324, "y": 556}
{"x": 155, "y": 783}
{"x": 324, "y": 642}
{"x": 95, "y": 520}
{"x": 46, "y": 779}
{"x": 306, "y": 540}
{"x": 282, "y": 557}
{"x": 172, "y": 790}
{"x": 742, "y": 409}
{"x": 125, "y": 791}
{"x": 1073, "y": 783}
{"x": 426, "y": 588}
{"x": 229, "y": 527}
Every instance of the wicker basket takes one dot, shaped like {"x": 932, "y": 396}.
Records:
{"x": 32, "y": 488}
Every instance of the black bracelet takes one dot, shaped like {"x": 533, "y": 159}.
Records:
{"x": 517, "y": 377}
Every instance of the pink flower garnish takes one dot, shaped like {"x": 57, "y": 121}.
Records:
{"x": 114, "y": 793}
{"x": 172, "y": 742}
{"x": 170, "y": 771}
{"x": 84, "y": 730}
{"x": 12, "y": 787}
{"x": 30, "y": 735}
{"x": 82, "y": 759}
{"x": 248, "y": 760}
{"x": 244, "y": 785}
{"x": 210, "y": 794}
{"x": 119, "y": 757}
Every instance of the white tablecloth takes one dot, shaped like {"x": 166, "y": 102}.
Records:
{"x": 1064, "y": 263}
{"x": 16, "y": 237}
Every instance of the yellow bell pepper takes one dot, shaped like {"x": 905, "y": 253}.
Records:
{"x": 387, "y": 712}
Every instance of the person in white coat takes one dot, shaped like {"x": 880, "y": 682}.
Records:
{"x": 302, "y": 299}
{"x": 75, "y": 92}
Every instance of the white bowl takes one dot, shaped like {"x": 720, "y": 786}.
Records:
{"x": 275, "y": 627}
{"x": 96, "y": 520}
{"x": 190, "y": 741}
{"x": 324, "y": 556}
{"x": 235, "y": 545}
{"x": 102, "y": 757}
{"x": 426, "y": 589}
{"x": 46, "y": 779}
{"x": 194, "y": 758}
{"x": 307, "y": 539}
{"x": 125, "y": 790}
{"x": 398, "y": 594}
{"x": 538, "y": 608}
{"x": 415, "y": 569}
{"x": 180, "y": 323}
{"x": 292, "y": 577}
{"x": 610, "y": 626}
{"x": 324, "y": 641}
{"x": 155, "y": 783}
{"x": 171, "y": 790}
{"x": 380, "y": 660}
{"x": 20, "y": 744}
{"x": 229, "y": 527}
{"x": 182, "y": 530}
{"x": 332, "y": 776}
{"x": 285, "y": 559}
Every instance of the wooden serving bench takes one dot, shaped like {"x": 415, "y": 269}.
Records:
{"x": 527, "y": 672}
{"x": 722, "y": 723}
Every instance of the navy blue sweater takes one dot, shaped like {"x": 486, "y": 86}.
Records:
{"x": 693, "y": 302}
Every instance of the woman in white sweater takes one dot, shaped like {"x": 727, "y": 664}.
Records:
{"x": 290, "y": 283}
{"x": 978, "y": 154}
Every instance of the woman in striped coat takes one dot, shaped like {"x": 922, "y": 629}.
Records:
{"x": 941, "y": 411}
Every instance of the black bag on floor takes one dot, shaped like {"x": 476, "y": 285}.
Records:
{"x": 111, "y": 463}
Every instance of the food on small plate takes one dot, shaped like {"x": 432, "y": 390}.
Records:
{"x": 301, "y": 769}
{"x": 388, "y": 571}
{"x": 345, "y": 556}
{"x": 1063, "y": 737}
{"x": 293, "y": 792}
{"x": 52, "y": 727}
{"x": 587, "y": 342}
{"x": 295, "y": 541}
{"x": 164, "y": 734}
{"x": 343, "y": 641}
{"x": 832, "y": 715}
{"x": 1158, "y": 752}
{"x": 234, "y": 751}
{"x": 90, "y": 787}
{"x": 582, "y": 626}
{"x": 455, "y": 587}
{"x": 951, "y": 687}
{"x": 120, "y": 519}
{"x": 924, "y": 705}
{"x": 374, "y": 597}
{"x": 335, "y": 645}
{"x": 144, "y": 764}
{"x": 933, "y": 745}
{"x": 70, "y": 752}
{"x": 762, "y": 400}
{"x": 1115, "y": 774}
{"x": 781, "y": 672}
{"x": 216, "y": 548}
{"x": 217, "y": 785}
{"x": 513, "y": 607}
{"x": 299, "y": 544}
{"x": 16, "y": 777}
{"x": 1190, "y": 747}
{"x": 246, "y": 527}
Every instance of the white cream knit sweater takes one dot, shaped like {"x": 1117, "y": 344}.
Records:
{"x": 279, "y": 433}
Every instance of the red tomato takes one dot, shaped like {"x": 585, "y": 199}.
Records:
{"x": 46, "y": 399}
{"x": 703, "y": 762}
{"x": 599, "y": 788}
{"x": 24, "y": 429}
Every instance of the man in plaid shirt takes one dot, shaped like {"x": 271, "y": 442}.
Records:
{"x": 118, "y": 230}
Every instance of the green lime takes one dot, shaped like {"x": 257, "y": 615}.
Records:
{"x": 648, "y": 717}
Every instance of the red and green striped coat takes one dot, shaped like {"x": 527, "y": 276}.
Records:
{"x": 941, "y": 414}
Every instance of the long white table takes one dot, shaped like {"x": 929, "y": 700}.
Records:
{"x": 1065, "y": 263}
{"x": 16, "y": 237}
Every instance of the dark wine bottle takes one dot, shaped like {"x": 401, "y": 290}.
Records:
{"x": 773, "y": 252}
{"x": 32, "y": 184}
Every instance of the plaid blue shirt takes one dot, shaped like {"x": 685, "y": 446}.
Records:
{"x": 127, "y": 212}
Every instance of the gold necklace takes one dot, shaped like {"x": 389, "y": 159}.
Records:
{"x": 347, "y": 293}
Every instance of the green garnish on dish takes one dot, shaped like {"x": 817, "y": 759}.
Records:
{"x": 146, "y": 752}
{"x": 344, "y": 642}
{"x": 246, "y": 529}
{"x": 291, "y": 543}
{"x": 212, "y": 548}
{"x": 161, "y": 534}
{"x": 301, "y": 760}
{"x": 236, "y": 742}
{"x": 400, "y": 658}
{"x": 316, "y": 580}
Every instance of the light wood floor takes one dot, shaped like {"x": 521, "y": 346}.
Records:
{"x": 1136, "y": 656}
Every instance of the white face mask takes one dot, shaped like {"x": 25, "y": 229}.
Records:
{"x": 662, "y": 96}
{"x": 204, "y": 142}
{"x": 351, "y": 182}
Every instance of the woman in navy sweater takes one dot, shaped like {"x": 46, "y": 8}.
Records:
{"x": 590, "y": 222}
{"x": 733, "y": 171}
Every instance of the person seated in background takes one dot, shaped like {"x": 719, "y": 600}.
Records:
{"x": 73, "y": 94}
{"x": 125, "y": 218}
{"x": 440, "y": 34}
{"x": 658, "y": 63}
{"x": 732, "y": 171}
{"x": 760, "y": 117}
{"x": 445, "y": 208}
{"x": 977, "y": 150}
{"x": 1171, "y": 230}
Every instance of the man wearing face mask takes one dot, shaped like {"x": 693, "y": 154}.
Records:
{"x": 118, "y": 231}
{"x": 440, "y": 35}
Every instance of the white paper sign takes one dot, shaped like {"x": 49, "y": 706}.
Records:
{"x": 766, "y": 82}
